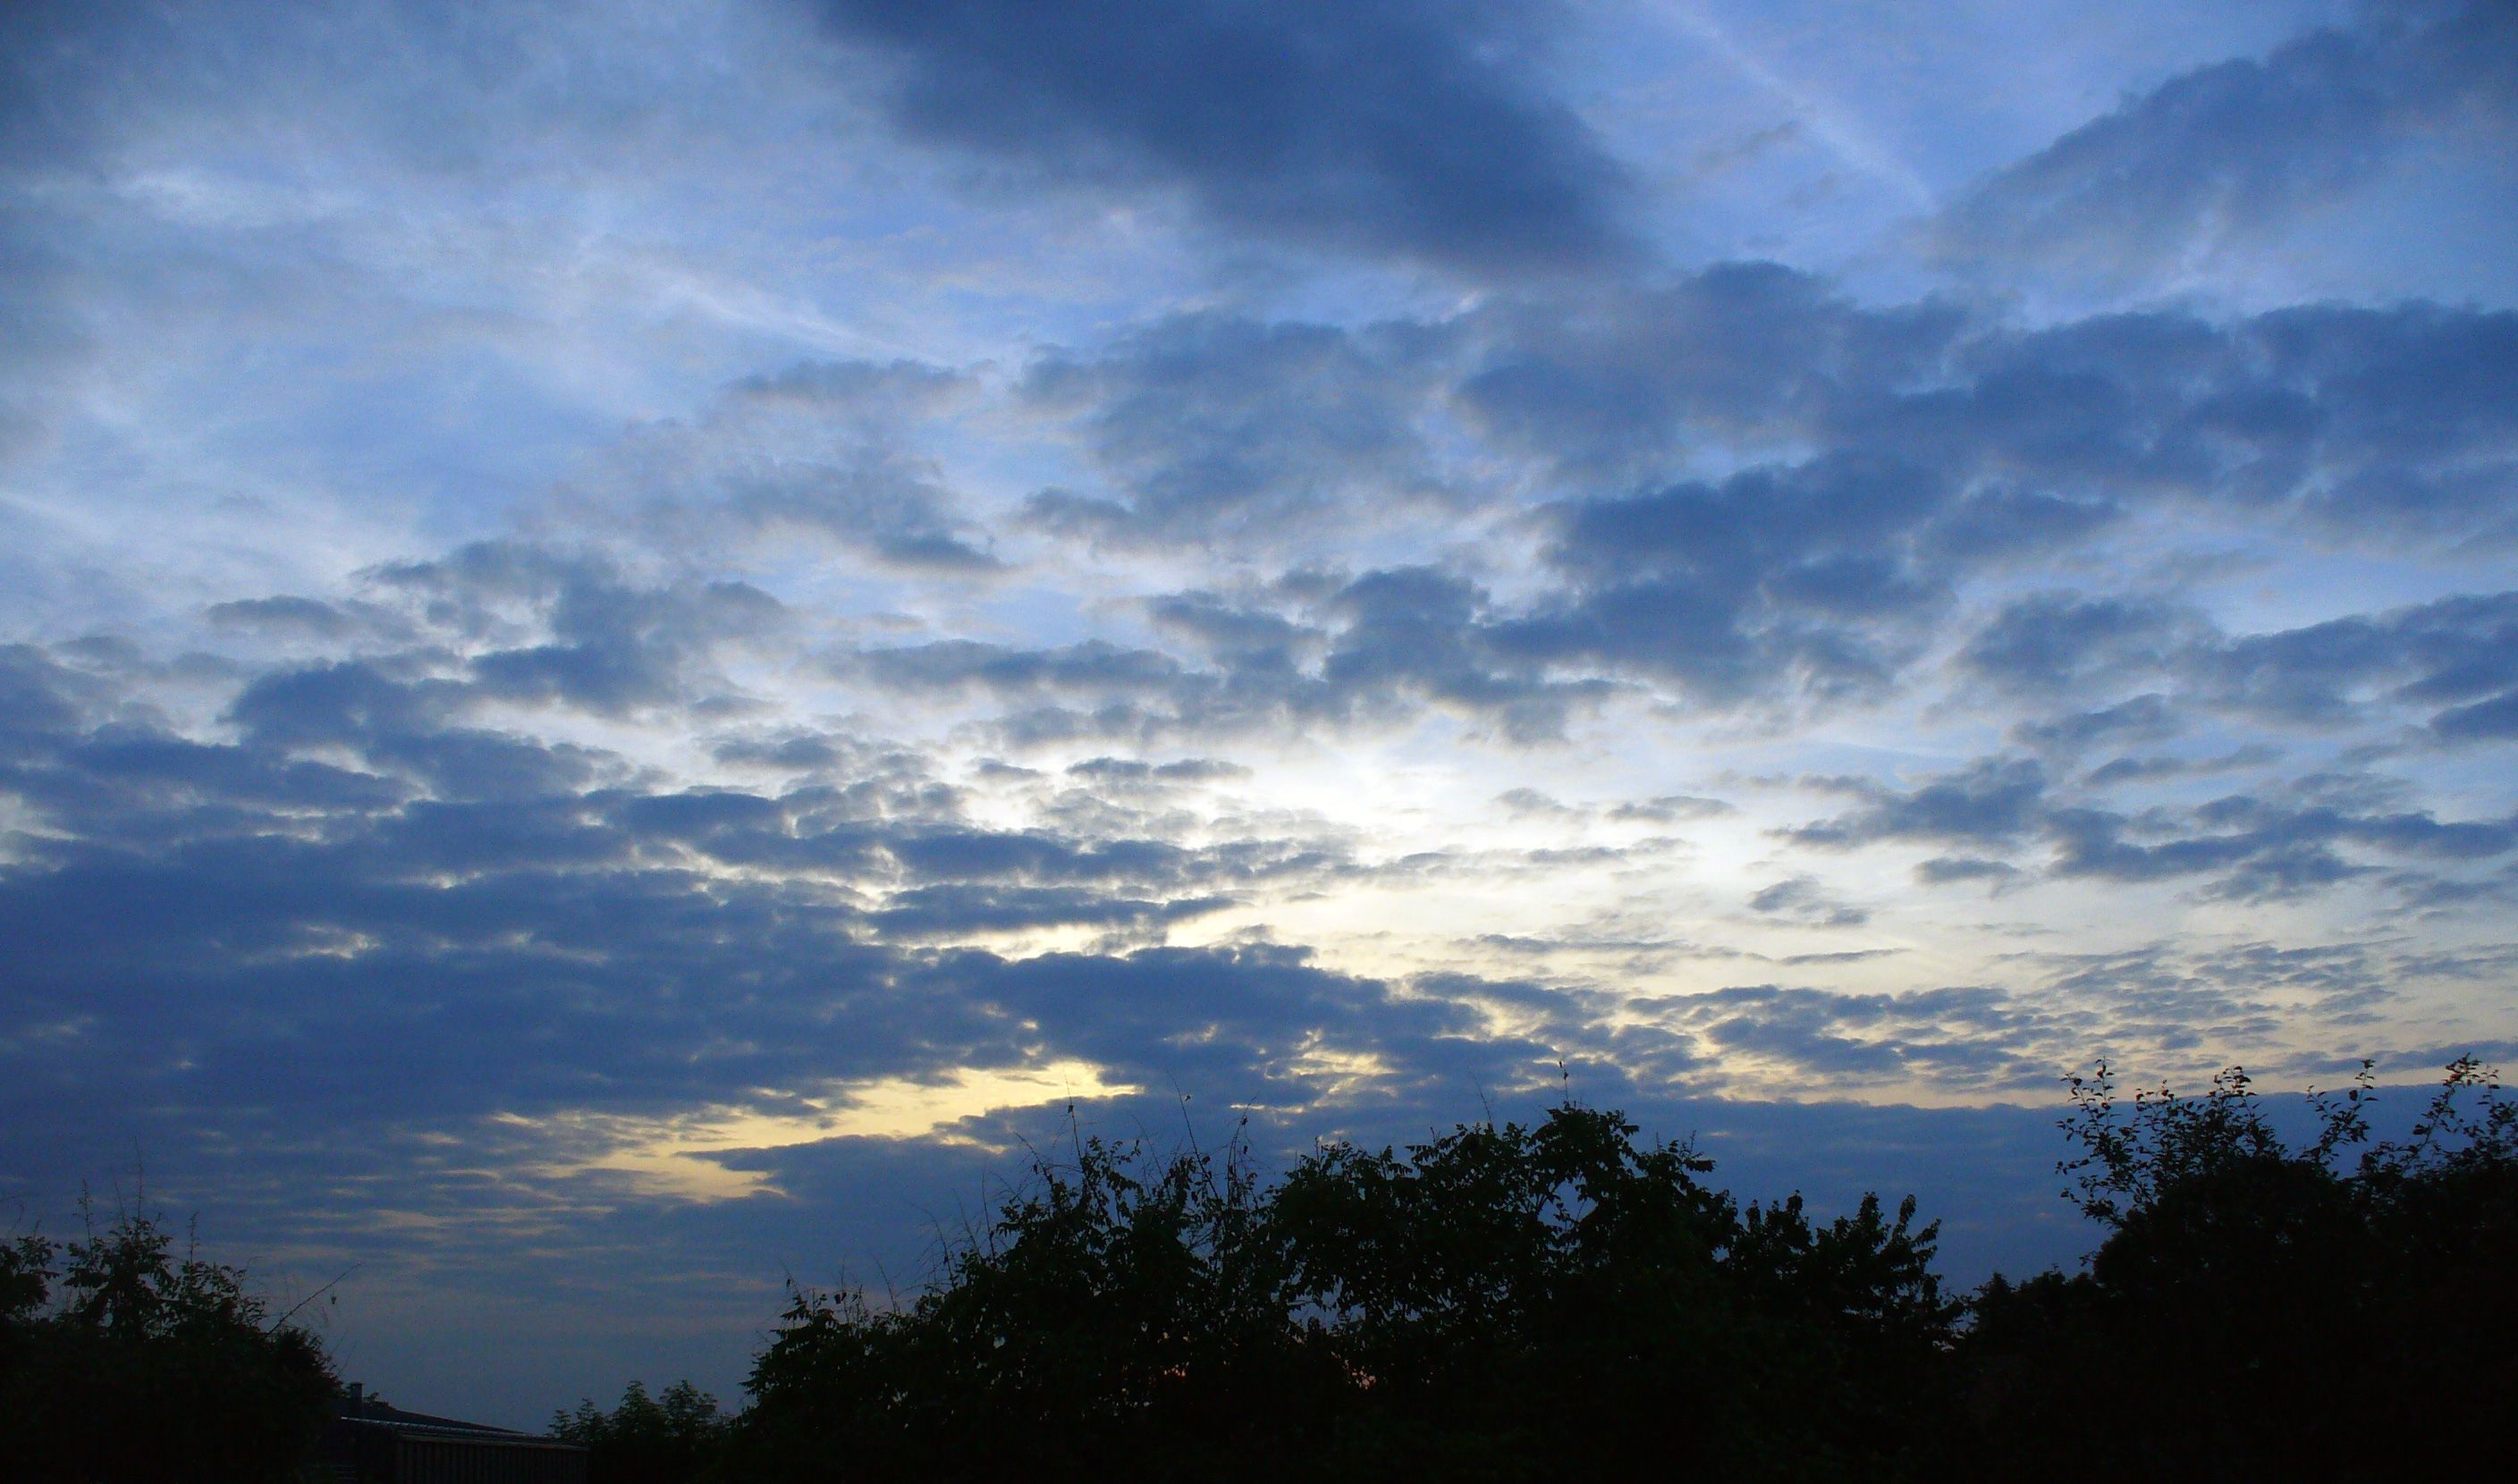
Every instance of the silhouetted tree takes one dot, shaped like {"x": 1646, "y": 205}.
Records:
{"x": 1122, "y": 1317}
{"x": 1495, "y": 1302}
{"x": 670, "y": 1439}
{"x": 1561, "y": 1295}
{"x": 147, "y": 1366}
{"x": 2261, "y": 1311}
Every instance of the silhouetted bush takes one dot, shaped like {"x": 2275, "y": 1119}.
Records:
{"x": 144, "y": 1366}
{"x": 2257, "y": 1311}
{"x": 670, "y": 1439}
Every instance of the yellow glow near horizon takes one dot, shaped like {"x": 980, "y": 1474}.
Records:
{"x": 670, "y": 1156}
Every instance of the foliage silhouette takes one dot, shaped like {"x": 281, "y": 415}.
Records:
{"x": 670, "y": 1439}
{"x": 1504, "y": 1300}
{"x": 1498, "y": 1300}
{"x": 147, "y": 1366}
{"x": 2257, "y": 1311}
{"x": 1496, "y": 1303}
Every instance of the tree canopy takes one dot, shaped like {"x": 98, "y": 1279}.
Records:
{"x": 1567, "y": 1295}
{"x": 145, "y": 1365}
{"x": 1500, "y": 1301}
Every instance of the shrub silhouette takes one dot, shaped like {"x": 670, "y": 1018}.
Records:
{"x": 645, "y": 1440}
{"x": 2258, "y": 1311}
{"x": 147, "y": 1366}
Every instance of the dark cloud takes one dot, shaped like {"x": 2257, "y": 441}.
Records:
{"x": 961, "y": 909}
{"x": 1136, "y": 773}
{"x": 822, "y": 451}
{"x": 1884, "y": 460}
{"x": 592, "y": 639}
{"x": 1670, "y": 808}
{"x": 2257, "y": 848}
{"x": 2386, "y": 423}
{"x": 1092, "y": 667}
{"x": 1995, "y": 800}
{"x": 2454, "y": 650}
{"x": 2143, "y": 718}
{"x": 2461, "y": 651}
{"x": 39, "y": 698}
{"x": 1388, "y": 643}
{"x": 1424, "y": 631}
{"x": 2066, "y": 643}
{"x": 243, "y": 927}
{"x": 2234, "y": 146}
{"x": 1247, "y": 638}
{"x": 2184, "y": 997}
{"x": 1613, "y": 386}
{"x": 1531, "y": 803}
{"x": 2138, "y": 770}
{"x": 1801, "y": 898}
{"x": 1211, "y": 427}
{"x": 1973, "y": 1036}
{"x": 615, "y": 951}
{"x": 2492, "y": 720}
{"x": 305, "y": 616}
{"x": 1768, "y": 582}
{"x": 1397, "y": 126}
{"x": 1942, "y": 870}
{"x": 2290, "y": 842}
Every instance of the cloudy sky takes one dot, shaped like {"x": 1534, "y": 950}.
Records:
{"x": 634, "y": 639}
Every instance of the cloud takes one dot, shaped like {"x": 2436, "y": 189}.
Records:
{"x": 2141, "y": 718}
{"x": 824, "y": 450}
{"x": 1883, "y": 464}
{"x": 1942, "y": 870}
{"x": 1395, "y": 127}
{"x": 1973, "y": 1036}
{"x": 2061, "y": 644}
{"x": 2390, "y": 424}
{"x": 2224, "y": 150}
{"x": 2457, "y": 650}
{"x": 2289, "y": 843}
{"x": 2452, "y": 650}
{"x": 2492, "y": 720}
{"x": 1612, "y": 386}
{"x": 1095, "y": 666}
{"x": 1801, "y": 898}
{"x": 1389, "y": 642}
{"x": 1670, "y": 808}
{"x": 1211, "y": 426}
{"x": 1134, "y": 774}
{"x": 1993, "y": 800}
{"x": 1768, "y": 582}
{"x": 2258, "y": 849}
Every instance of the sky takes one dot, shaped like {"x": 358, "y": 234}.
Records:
{"x": 640, "y": 643}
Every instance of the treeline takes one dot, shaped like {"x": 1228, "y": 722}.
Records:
{"x": 1503, "y": 1302}
{"x": 1570, "y": 1300}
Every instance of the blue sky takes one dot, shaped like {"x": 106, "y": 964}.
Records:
{"x": 635, "y": 640}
